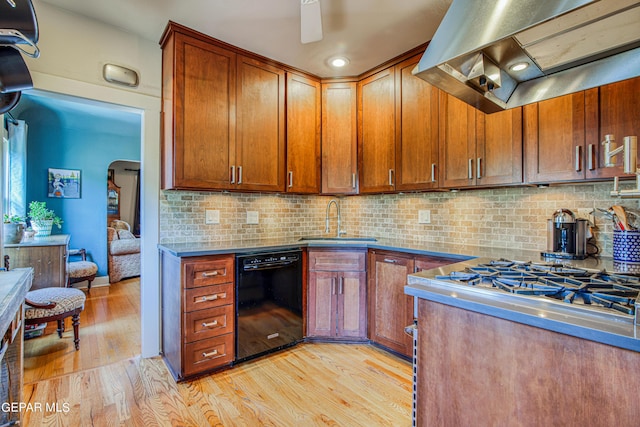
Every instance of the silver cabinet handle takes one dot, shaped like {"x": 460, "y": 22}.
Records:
{"x": 239, "y": 174}
{"x": 578, "y": 151}
{"x": 340, "y": 285}
{"x": 233, "y": 174}
{"x": 590, "y": 161}
{"x": 433, "y": 172}
{"x": 479, "y": 167}
{"x": 392, "y": 261}
{"x": 390, "y": 176}
{"x": 333, "y": 286}
{"x": 209, "y": 273}
{"x": 470, "y": 169}
{"x": 213, "y": 297}
{"x": 210, "y": 324}
{"x": 353, "y": 180}
{"x": 290, "y": 179}
{"x": 210, "y": 354}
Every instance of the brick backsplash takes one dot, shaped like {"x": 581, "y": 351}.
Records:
{"x": 504, "y": 217}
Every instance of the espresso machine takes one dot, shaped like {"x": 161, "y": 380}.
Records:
{"x": 566, "y": 236}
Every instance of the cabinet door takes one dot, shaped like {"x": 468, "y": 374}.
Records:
{"x": 376, "y": 132}
{"x": 390, "y": 309}
{"x": 303, "y": 134}
{"x": 260, "y": 131}
{"x": 554, "y": 139}
{"x": 457, "y": 147}
{"x": 352, "y": 307}
{"x": 612, "y": 109}
{"x": 499, "y": 148}
{"x": 321, "y": 310}
{"x": 416, "y": 130}
{"x": 199, "y": 99}
{"x": 339, "y": 138}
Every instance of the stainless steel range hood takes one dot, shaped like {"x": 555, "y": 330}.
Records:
{"x": 569, "y": 46}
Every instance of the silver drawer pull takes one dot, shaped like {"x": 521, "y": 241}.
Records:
{"x": 210, "y": 354}
{"x": 210, "y": 273}
{"x": 213, "y": 297}
{"x": 393, "y": 261}
{"x": 210, "y": 324}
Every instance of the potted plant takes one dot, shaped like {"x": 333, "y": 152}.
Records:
{"x": 42, "y": 219}
{"x": 13, "y": 228}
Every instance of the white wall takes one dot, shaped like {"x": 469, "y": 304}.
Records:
{"x": 74, "y": 50}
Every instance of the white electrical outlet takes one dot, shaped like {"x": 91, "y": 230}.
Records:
{"x": 252, "y": 217}
{"x": 424, "y": 216}
{"x": 211, "y": 216}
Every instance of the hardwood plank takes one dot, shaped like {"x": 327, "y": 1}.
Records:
{"x": 107, "y": 383}
{"x": 309, "y": 384}
{"x": 109, "y": 332}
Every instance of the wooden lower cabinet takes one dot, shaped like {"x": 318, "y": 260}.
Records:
{"x": 474, "y": 369}
{"x": 337, "y": 295}
{"x": 47, "y": 257}
{"x": 198, "y": 313}
{"x": 390, "y": 310}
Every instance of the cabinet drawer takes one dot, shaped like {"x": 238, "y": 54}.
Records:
{"x": 208, "y": 354}
{"x": 336, "y": 261}
{"x": 208, "y": 323}
{"x": 208, "y": 272}
{"x": 208, "y": 297}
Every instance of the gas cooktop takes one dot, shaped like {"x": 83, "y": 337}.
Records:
{"x": 600, "y": 290}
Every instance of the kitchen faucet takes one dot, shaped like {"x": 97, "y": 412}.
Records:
{"x": 339, "y": 232}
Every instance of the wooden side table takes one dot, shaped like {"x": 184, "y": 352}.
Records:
{"x": 47, "y": 256}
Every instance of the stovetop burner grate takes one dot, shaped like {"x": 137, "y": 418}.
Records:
{"x": 557, "y": 281}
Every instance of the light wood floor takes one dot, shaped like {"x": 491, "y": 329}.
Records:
{"x": 307, "y": 385}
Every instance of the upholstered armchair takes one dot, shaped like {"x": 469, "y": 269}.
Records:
{"x": 123, "y": 251}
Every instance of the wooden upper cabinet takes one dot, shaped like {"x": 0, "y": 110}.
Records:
{"x": 554, "y": 139}
{"x": 198, "y": 107}
{"x": 260, "y": 126}
{"x": 499, "y": 147}
{"x": 339, "y": 138}
{"x": 416, "y": 141}
{"x": 613, "y": 109}
{"x": 478, "y": 149}
{"x": 303, "y": 134}
{"x": 457, "y": 146}
{"x": 376, "y": 132}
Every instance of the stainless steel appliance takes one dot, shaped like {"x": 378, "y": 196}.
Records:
{"x": 503, "y": 54}
{"x": 268, "y": 302}
{"x": 566, "y": 236}
{"x": 600, "y": 291}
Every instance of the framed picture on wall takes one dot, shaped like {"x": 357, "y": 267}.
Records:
{"x": 64, "y": 183}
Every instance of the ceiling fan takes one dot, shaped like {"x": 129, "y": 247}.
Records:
{"x": 310, "y": 21}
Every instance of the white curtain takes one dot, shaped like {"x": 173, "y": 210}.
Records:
{"x": 16, "y": 177}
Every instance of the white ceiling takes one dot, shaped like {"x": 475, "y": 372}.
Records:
{"x": 368, "y": 32}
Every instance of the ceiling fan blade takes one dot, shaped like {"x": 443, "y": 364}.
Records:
{"x": 310, "y": 21}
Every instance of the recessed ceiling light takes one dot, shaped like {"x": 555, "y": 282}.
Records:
{"x": 519, "y": 66}
{"x": 338, "y": 61}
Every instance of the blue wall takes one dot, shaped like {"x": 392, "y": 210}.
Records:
{"x": 69, "y": 135}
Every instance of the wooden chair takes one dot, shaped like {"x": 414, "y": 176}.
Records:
{"x": 49, "y": 304}
{"x": 79, "y": 271}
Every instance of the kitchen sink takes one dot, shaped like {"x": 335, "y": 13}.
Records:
{"x": 359, "y": 239}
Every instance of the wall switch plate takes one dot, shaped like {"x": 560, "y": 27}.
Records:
{"x": 252, "y": 217}
{"x": 424, "y": 216}
{"x": 211, "y": 216}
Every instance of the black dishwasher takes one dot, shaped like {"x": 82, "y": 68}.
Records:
{"x": 268, "y": 302}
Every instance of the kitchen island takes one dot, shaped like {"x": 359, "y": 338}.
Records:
{"x": 487, "y": 358}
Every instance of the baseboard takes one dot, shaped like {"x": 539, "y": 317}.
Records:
{"x": 95, "y": 283}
